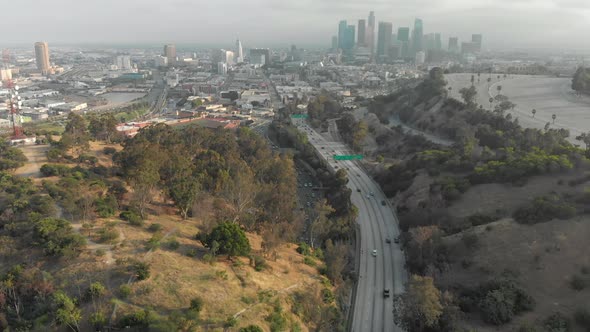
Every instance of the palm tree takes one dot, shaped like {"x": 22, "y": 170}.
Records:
{"x": 472, "y": 79}
{"x": 554, "y": 117}
{"x": 491, "y": 101}
{"x": 478, "y": 76}
{"x": 499, "y": 88}
{"x": 534, "y": 111}
{"x": 498, "y": 77}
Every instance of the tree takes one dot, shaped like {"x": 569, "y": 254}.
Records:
{"x": 420, "y": 306}
{"x": 534, "y": 111}
{"x": 231, "y": 238}
{"x": 499, "y": 88}
{"x": 103, "y": 127}
{"x": 182, "y": 181}
{"x": 75, "y": 135}
{"x": 553, "y": 117}
{"x": 472, "y": 80}
{"x": 584, "y": 137}
{"x": 11, "y": 158}
{"x": 581, "y": 80}
{"x": 57, "y": 237}
{"x": 468, "y": 95}
{"x": 491, "y": 101}
{"x": 67, "y": 313}
{"x": 251, "y": 328}
{"x": 240, "y": 190}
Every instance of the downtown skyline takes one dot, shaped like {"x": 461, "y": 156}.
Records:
{"x": 525, "y": 23}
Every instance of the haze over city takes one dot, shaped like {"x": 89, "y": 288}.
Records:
{"x": 505, "y": 23}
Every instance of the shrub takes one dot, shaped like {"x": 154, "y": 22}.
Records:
{"x": 109, "y": 150}
{"x": 501, "y": 299}
{"x": 470, "y": 240}
{"x": 304, "y": 249}
{"x": 142, "y": 318}
{"x": 154, "y": 242}
{"x": 173, "y": 244}
{"x": 480, "y": 219}
{"x": 141, "y": 270}
{"x": 557, "y": 322}
{"x": 95, "y": 290}
{"x": 124, "y": 291}
{"x": 544, "y": 209}
{"x": 196, "y": 304}
{"x": 327, "y": 296}
{"x": 259, "y": 263}
{"x": 100, "y": 252}
{"x": 251, "y": 328}
{"x": 108, "y": 234}
{"x": 309, "y": 261}
{"x": 55, "y": 170}
{"x": 155, "y": 228}
{"x": 132, "y": 217}
{"x": 106, "y": 206}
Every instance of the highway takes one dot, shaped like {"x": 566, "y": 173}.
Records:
{"x": 377, "y": 222}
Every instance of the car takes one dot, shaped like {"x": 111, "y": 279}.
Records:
{"x": 396, "y": 240}
{"x": 383, "y": 203}
{"x": 371, "y": 193}
{"x": 374, "y": 253}
{"x": 358, "y": 190}
{"x": 357, "y": 174}
{"x": 386, "y": 292}
{"x": 322, "y": 147}
{"x": 336, "y": 167}
{"x": 368, "y": 196}
{"x": 387, "y": 240}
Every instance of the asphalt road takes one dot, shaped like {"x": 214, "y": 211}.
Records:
{"x": 377, "y": 222}
{"x": 548, "y": 95}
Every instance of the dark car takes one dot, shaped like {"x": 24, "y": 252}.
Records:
{"x": 383, "y": 203}
{"x": 358, "y": 190}
{"x": 388, "y": 240}
{"x": 386, "y": 293}
{"x": 396, "y": 240}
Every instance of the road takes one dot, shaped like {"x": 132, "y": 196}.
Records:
{"x": 548, "y": 95}
{"x": 377, "y": 222}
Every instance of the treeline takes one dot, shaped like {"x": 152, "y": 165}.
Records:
{"x": 11, "y": 158}
{"x": 322, "y": 108}
{"x": 581, "y": 80}
{"x": 353, "y": 132}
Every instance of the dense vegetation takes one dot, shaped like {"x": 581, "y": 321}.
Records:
{"x": 11, "y": 158}
{"x": 581, "y": 80}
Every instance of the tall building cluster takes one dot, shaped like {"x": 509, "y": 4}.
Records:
{"x": 387, "y": 44}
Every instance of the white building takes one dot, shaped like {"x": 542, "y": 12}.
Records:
{"x": 420, "y": 58}
{"x": 239, "y": 52}
{"x": 123, "y": 62}
{"x": 222, "y": 68}
{"x": 5, "y": 74}
{"x": 161, "y": 61}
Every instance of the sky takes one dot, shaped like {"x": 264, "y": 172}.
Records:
{"x": 505, "y": 24}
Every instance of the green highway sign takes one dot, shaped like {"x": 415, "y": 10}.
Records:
{"x": 348, "y": 157}
{"x": 299, "y": 116}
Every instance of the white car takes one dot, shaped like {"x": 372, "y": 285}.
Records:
{"x": 374, "y": 253}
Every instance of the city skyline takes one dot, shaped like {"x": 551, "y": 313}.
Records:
{"x": 525, "y": 23}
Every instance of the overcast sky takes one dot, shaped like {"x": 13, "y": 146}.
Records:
{"x": 557, "y": 24}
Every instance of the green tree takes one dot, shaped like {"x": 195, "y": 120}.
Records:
{"x": 11, "y": 158}
{"x": 103, "y": 128}
{"x": 57, "y": 237}
{"x": 67, "y": 313}
{"x": 581, "y": 80}
{"x": 468, "y": 95}
{"x": 420, "y": 306}
{"x": 534, "y": 111}
{"x": 76, "y": 134}
{"x": 251, "y": 328}
{"x": 231, "y": 238}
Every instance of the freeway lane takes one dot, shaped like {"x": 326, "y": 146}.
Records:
{"x": 372, "y": 312}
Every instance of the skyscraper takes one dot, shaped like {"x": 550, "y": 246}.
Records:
{"x": 362, "y": 33}
{"x": 170, "y": 53}
{"x": 437, "y": 41}
{"x": 417, "y": 36}
{"x": 370, "y": 33}
{"x": 350, "y": 37}
{"x": 42, "y": 57}
{"x": 239, "y": 52}
{"x": 454, "y": 45}
{"x": 342, "y": 27}
{"x": 334, "y": 42}
{"x": 384, "y": 39}
{"x": 477, "y": 39}
{"x": 123, "y": 62}
{"x": 403, "y": 37}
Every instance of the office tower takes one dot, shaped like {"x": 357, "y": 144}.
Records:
{"x": 221, "y": 68}
{"x": 334, "y": 43}
{"x": 350, "y": 37}
{"x": 42, "y": 57}
{"x": 123, "y": 62}
{"x": 417, "y": 36}
{"x": 342, "y": 28}
{"x": 161, "y": 61}
{"x": 362, "y": 34}
{"x": 454, "y": 45}
{"x": 403, "y": 38}
{"x": 170, "y": 53}
{"x": 437, "y": 41}
{"x": 260, "y": 56}
{"x": 370, "y": 33}
{"x": 239, "y": 52}
{"x": 477, "y": 39}
{"x": 428, "y": 42}
{"x": 384, "y": 34}
{"x": 227, "y": 57}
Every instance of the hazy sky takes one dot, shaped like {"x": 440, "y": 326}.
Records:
{"x": 505, "y": 23}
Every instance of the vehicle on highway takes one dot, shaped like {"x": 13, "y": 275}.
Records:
{"x": 386, "y": 292}
{"x": 368, "y": 196}
{"x": 358, "y": 190}
{"x": 374, "y": 253}
{"x": 383, "y": 203}
{"x": 387, "y": 240}
{"x": 396, "y": 240}
{"x": 371, "y": 193}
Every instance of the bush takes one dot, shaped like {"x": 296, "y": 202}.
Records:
{"x": 154, "y": 242}
{"x": 142, "y": 318}
{"x": 106, "y": 206}
{"x": 557, "y": 322}
{"x": 173, "y": 244}
{"x": 480, "y": 219}
{"x": 196, "y": 304}
{"x": 141, "y": 270}
{"x": 94, "y": 291}
{"x": 109, "y": 150}
{"x": 544, "y": 209}
{"x": 304, "y": 249}
{"x": 470, "y": 240}
{"x": 132, "y": 217}
{"x": 251, "y": 328}
{"x": 259, "y": 263}
{"x": 155, "y": 228}
{"x": 107, "y": 234}
{"x": 328, "y": 296}
{"x": 55, "y": 170}
{"x": 124, "y": 291}
{"x": 502, "y": 299}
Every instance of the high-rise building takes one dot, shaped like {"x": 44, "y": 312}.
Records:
{"x": 42, "y": 57}
{"x": 437, "y": 41}
{"x": 417, "y": 36}
{"x": 334, "y": 43}
{"x": 454, "y": 45}
{"x": 477, "y": 39}
{"x": 170, "y": 53}
{"x": 350, "y": 37}
{"x": 428, "y": 42}
{"x": 403, "y": 37}
{"x": 221, "y": 68}
{"x": 384, "y": 34}
{"x": 260, "y": 56}
{"x": 5, "y": 74}
{"x": 362, "y": 33}
{"x": 342, "y": 28}
{"x": 420, "y": 58}
{"x": 123, "y": 62}
{"x": 370, "y": 33}
{"x": 161, "y": 61}
{"x": 469, "y": 48}
{"x": 239, "y": 52}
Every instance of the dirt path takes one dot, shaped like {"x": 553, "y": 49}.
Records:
{"x": 37, "y": 157}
